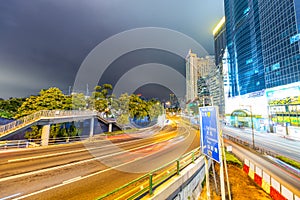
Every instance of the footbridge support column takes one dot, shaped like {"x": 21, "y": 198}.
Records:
{"x": 92, "y": 127}
{"x": 110, "y": 127}
{"x": 45, "y": 135}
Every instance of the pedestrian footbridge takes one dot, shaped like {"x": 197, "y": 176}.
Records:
{"x": 47, "y": 117}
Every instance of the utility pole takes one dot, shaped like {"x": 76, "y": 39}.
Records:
{"x": 87, "y": 89}
{"x": 252, "y": 127}
{"x": 252, "y": 124}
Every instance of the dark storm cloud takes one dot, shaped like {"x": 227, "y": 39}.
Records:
{"x": 44, "y": 42}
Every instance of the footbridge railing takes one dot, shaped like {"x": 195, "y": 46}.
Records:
{"x": 27, "y": 120}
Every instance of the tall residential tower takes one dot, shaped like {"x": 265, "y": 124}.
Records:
{"x": 191, "y": 76}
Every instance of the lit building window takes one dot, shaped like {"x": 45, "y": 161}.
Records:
{"x": 249, "y": 61}
{"x": 295, "y": 38}
{"x": 246, "y": 11}
{"x": 275, "y": 66}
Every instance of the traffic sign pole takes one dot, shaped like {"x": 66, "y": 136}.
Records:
{"x": 222, "y": 181}
{"x": 211, "y": 144}
{"x": 207, "y": 178}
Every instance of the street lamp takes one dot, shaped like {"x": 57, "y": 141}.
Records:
{"x": 252, "y": 125}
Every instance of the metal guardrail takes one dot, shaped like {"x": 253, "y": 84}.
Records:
{"x": 148, "y": 182}
{"x": 24, "y": 121}
{"x": 260, "y": 149}
{"x": 12, "y": 144}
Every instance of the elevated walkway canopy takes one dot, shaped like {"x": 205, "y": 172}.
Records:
{"x": 241, "y": 113}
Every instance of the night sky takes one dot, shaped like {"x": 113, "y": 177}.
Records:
{"x": 44, "y": 42}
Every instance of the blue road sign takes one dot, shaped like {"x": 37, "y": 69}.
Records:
{"x": 209, "y": 132}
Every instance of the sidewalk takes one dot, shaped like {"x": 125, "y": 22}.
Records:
{"x": 249, "y": 130}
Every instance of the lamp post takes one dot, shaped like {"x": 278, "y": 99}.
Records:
{"x": 252, "y": 125}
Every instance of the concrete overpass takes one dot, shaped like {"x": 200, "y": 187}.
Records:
{"x": 47, "y": 117}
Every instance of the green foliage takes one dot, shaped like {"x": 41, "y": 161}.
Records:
{"x": 51, "y": 99}
{"x": 27, "y": 108}
{"x": 78, "y": 101}
{"x": 138, "y": 108}
{"x": 123, "y": 119}
{"x": 134, "y": 107}
{"x": 156, "y": 108}
{"x": 100, "y": 98}
{"x": 56, "y": 131}
{"x": 35, "y": 133}
{"x": 289, "y": 161}
{"x": 5, "y": 114}
{"x": 231, "y": 159}
{"x": 9, "y": 107}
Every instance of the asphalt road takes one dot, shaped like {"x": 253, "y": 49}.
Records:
{"x": 268, "y": 141}
{"x": 90, "y": 169}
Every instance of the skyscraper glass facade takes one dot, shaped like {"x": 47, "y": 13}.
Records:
{"x": 280, "y": 25}
{"x": 219, "y": 41}
{"x": 216, "y": 79}
{"x": 297, "y": 8}
{"x": 244, "y": 46}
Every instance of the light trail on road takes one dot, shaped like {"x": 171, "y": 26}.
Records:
{"x": 75, "y": 173}
{"x": 270, "y": 142}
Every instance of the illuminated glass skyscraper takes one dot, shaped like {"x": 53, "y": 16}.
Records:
{"x": 263, "y": 41}
{"x": 244, "y": 46}
{"x": 280, "y": 33}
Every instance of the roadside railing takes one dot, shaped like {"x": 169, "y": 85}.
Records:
{"x": 147, "y": 183}
{"x": 29, "y": 143}
{"x": 24, "y": 121}
{"x": 260, "y": 149}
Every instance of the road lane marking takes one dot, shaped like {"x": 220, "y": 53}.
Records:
{"x": 64, "y": 153}
{"x": 11, "y": 196}
{"x": 75, "y": 151}
{"x": 72, "y": 180}
{"x": 77, "y": 163}
{"x": 84, "y": 177}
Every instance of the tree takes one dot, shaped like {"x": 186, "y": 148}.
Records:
{"x": 123, "y": 119}
{"x": 100, "y": 98}
{"x": 138, "y": 108}
{"x": 77, "y": 101}
{"x": 9, "y": 107}
{"x": 155, "y": 109}
{"x": 27, "y": 108}
{"x": 50, "y": 99}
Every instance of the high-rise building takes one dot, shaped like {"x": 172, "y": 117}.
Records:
{"x": 196, "y": 68}
{"x": 204, "y": 65}
{"x": 244, "y": 46}
{"x": 210, "y": 83}
{"x": 191, "y": 76}
{"x": 263, "y": 59}
{"x": 219, "y": 33}
{"x": 280, "y": 34}
{"x": 218, "y": 78}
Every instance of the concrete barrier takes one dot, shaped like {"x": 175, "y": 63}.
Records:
{"x": 269, "y": 184}
{"x": 185, "y": 186}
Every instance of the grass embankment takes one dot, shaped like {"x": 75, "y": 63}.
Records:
{"x": 289, "y": 161}
{"x": 231, "y": 159}
{"x": 242, "y": 187}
